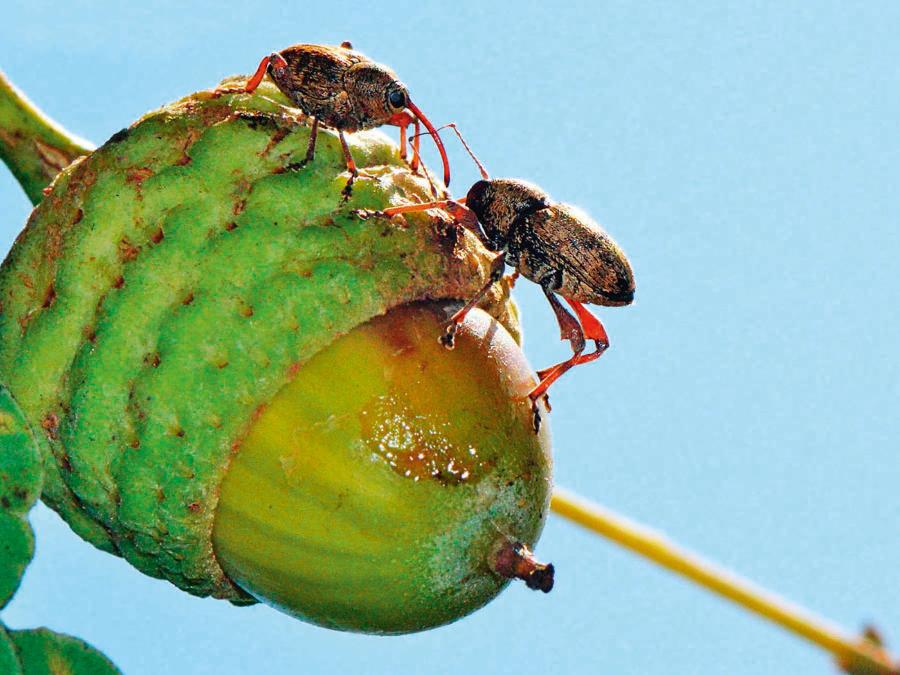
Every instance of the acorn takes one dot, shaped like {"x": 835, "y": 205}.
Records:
{"x": 237, "y": 385}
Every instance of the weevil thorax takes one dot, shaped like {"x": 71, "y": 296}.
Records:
{"x": 500, "y": 204}
{"x": 375, "y": 92}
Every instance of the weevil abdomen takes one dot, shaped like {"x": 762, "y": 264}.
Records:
{"x": 591, "y": 267}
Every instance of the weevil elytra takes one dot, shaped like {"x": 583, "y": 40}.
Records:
{"x": 341, "y": 88}
{"x": 555, "y": 245}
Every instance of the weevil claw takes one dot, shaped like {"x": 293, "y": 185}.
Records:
{"x": 535, "y": 417}
{"x": 448, "y": 338}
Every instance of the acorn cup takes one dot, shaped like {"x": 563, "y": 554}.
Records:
{"x": 237, "y": 381}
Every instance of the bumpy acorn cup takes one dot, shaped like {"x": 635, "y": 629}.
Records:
{"x": 190, "y": 318}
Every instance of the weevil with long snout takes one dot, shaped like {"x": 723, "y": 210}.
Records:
{"x": 555, "y": 245}
{"x": 341, "y": 88}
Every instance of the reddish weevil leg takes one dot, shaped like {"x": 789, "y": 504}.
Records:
{"x": 494, "y": 275}
{"x": 444, "y": 205}
{"x": 414, "y": 164}
{"x": 455, "y": 208}
{"x": 258, "y": 76}
{"x": 588, "y": 326}
{"x": 403, "y": 120}
{"x": 403, "y": 141}
{"x": 569, "y": 327}
{"x": 552, "y": 374}
{"x": 278, "y": 63}
{"x": 593, "y": 329}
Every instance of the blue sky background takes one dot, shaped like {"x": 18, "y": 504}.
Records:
{"x": 747, "y": 156}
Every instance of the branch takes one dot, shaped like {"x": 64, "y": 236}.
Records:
{"x": 854, "y": 656}
{"x": 33, "y": 146}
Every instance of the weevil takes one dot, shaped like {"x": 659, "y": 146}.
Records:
{"x": 341, "y": 88}
{"x": 555, "y": 245}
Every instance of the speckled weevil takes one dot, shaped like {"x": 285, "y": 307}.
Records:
{"x": 344, "y": 90}
{"x": 555, "y": 245}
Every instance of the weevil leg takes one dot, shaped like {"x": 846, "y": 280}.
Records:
{"x": 311, "y": 145}
{"x": 351, "y": 167}
{"x": 403, "y": 120}
{"x": 277, "y": 62}
{"x": 417, "y": 137}
{"x": 569, "y": 327}
{"x": 590, "y": 324}
{"x": 550, "y": 375}
{"x": 402, "y": 128}
{"x": 577, "y": 331}
{"x": 456, "y": 208}
{"x": 258, "y": 76}
{"x": 443, "y": 204}
{"x": 462, "y": 215}
{"x": 494, "y": 275}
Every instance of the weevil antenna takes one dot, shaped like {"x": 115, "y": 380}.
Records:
{"x": 484, "y": 173}
{"x": 452, "y": 125}
{"x": 437, "y": 139}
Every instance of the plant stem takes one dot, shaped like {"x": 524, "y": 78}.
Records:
{"x": 33, "y": 146}
{"x": 855, "y": 656}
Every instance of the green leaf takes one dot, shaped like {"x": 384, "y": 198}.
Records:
{"x": 20, "y": 486}
{"x": 9, "y": 659}
{"x": 20, "y": 462}
{"x": 44, "y": 652}
{"x": 16, "y": 549}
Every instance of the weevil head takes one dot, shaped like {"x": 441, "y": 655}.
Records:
{"x": 379, "y": 97}
{"x": 499, "y": 203}
{"x": 376, "y": 93}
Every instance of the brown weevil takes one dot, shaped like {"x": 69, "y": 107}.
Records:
{"x": 555, "y": 245}
{"x": 344, "y": 90}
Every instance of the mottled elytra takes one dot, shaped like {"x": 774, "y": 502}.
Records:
{"x": 344, "y": 90}
{"x": 555, "y": 245}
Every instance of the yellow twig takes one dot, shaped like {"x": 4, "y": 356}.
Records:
{"x": 855, "y": 656}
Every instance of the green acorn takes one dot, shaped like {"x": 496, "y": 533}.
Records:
{"x": 191, "y": 320}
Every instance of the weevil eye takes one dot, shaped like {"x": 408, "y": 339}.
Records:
{"x": 397, "y": 99}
